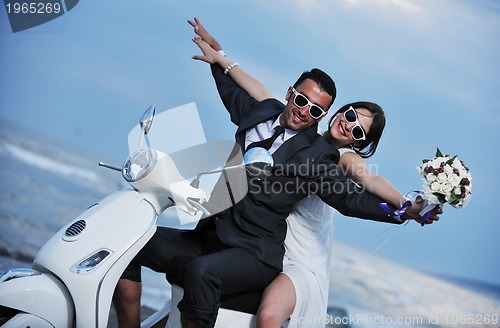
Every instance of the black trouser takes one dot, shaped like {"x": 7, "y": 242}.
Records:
{"x": 204, "y": 266}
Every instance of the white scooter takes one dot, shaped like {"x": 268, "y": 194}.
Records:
{"x": 74, "y": 274}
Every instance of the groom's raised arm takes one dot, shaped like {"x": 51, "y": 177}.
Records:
{"x": 236, "y": 100}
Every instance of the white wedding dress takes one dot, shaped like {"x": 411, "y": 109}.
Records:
{"x": 307, "y": 260}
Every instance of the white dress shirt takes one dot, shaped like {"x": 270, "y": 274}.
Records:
{"x": 265, "y": 130}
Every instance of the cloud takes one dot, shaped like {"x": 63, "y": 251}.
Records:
{"x": 404, "y": 5}
{"x": 314, "y": 8}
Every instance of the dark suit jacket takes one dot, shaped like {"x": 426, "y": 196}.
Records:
{"x": 304, "y": 164}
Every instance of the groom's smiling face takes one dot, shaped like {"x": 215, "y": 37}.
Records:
{"x": 296, "y": 118}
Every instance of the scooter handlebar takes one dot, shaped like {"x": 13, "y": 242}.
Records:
{"x": 205, "y": 207}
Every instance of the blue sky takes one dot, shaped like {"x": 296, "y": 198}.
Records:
{"x": 434, "y": 66}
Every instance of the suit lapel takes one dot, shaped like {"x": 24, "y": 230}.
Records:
{"x": 302, "y": 140}
{"x": 270, "y": 111}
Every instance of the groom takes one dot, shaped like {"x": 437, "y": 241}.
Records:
{"x": 241, "y": 249}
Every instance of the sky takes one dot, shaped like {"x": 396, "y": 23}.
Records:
{"x": 85, "y": 78}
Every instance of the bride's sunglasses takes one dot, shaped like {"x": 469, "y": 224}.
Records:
{"x": 301, "y": 101}
{"x": 357, "y": 132}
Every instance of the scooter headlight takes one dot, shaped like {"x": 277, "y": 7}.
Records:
{"x": 139, "y": 164}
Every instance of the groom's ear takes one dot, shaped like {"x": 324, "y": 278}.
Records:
{"x": 288, "y": 94}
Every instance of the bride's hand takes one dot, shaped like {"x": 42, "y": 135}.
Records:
{"x": 412, "y": 212}
{"x": 210, "y": 55}
{"x": 200, "y": 30}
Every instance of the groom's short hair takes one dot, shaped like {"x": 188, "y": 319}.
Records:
{"x": 324, "y": 81}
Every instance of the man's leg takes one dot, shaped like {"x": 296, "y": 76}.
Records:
{"x": 185, "y": 323}
{"x": 229, "y": 271}
{"x": 127, "y": 303}
{"x": 159, "y": 254}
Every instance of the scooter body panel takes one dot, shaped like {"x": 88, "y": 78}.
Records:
{"x": 108, "y": 234}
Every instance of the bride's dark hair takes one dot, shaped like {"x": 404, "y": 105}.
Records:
{"x": 364, "y": 148}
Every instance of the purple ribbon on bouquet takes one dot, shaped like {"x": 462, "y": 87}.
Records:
{"x": 402, "y": 209}
{"x": 398, "y": 212}
{"x": 425, "y": 217}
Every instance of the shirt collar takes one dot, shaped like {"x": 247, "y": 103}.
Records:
{"x": 288, "y": 132}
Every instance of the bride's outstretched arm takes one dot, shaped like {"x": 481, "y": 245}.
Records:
{"x": 210, "y": 48}
{"x": 355, "y": 168}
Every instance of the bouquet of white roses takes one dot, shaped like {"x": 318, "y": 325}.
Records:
{"x": 446, "y": 180}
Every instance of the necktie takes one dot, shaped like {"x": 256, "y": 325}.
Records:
{"x": 267, "y": 143}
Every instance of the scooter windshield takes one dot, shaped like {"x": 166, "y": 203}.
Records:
{"x": 178, "y": 132}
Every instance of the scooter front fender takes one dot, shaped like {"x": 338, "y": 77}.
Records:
{"x": 38, "y": 294}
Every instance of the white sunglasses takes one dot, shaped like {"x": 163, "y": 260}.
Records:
{"x": 357, "y": 132}
{"x": 302, "y": 101}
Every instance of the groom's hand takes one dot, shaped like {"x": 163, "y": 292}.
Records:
{"x": 412, "y": 212}
{"x": 202, "y": 32}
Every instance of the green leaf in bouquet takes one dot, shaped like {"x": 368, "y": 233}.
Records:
{"x": 450, "y": 161}
{"x": 441, "y": 198}
{"x": 425, "y": 161}
{"x": 454, "y": 198}
{"x": 438, "y": 153}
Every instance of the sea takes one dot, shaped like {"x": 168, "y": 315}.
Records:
{"x": 44, "y": 185}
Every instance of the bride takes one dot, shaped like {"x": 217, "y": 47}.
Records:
{"x": 300, "y": 293}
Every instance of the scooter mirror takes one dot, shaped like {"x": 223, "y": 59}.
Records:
{"x": 147, "y": 119}
{"x": 258, "y": 163}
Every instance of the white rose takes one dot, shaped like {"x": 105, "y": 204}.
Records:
{"x": 435, "y": 186}
{"x": 430, "y": 177}
{"x": 436, "y": 162}
{"x": 446, "y": 188}
{"x": 454, "y": 179}
{"x": 448, "y": 169}
{"x": 457, "y": 190}
{"x": 442, "y": 177}
{"x": 456, "y": 164}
